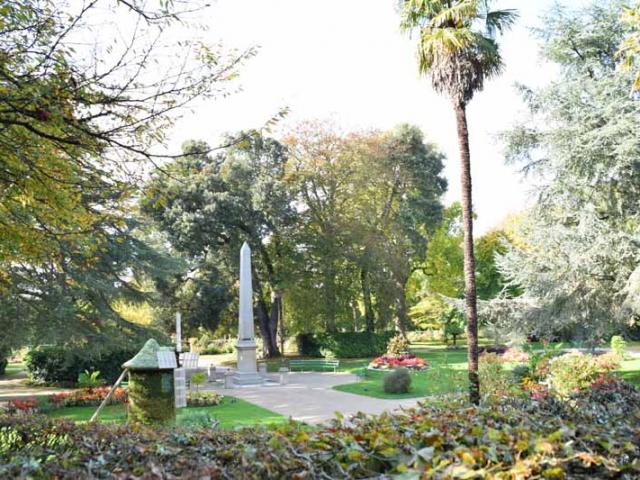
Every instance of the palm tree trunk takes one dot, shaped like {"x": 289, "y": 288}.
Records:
{"x": 469, "y": 260}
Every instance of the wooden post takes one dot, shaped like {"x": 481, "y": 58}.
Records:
{"x": 94, "y": 417}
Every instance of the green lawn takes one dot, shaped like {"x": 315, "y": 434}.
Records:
{"x": 232, "y": 412}
{"x": 12, "y": 370}
{"x": 447, "y": 373}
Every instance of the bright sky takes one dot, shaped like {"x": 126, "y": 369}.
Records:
{"x": 346, "y": 60}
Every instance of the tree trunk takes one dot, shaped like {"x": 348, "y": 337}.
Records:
{"x": 469, "y": 260}
{"x": 368, "y": 306}
{"x": 275, "y": 318}
{"x": 265, "y": 322}
{"x": 402, "y": 314}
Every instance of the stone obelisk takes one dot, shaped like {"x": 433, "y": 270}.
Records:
{"x": 247, "y": 372}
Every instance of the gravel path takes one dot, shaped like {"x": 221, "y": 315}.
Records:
{"x": 309, "y": 397}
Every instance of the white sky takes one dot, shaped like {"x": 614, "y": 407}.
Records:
{"x": 347, "y": 61}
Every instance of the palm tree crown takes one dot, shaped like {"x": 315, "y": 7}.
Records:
{"x": 457, "y": 46}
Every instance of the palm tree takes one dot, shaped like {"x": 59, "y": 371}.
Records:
{"x": 458, "y": 51}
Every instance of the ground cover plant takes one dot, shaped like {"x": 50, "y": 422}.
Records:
{"x": 592, "y": 435}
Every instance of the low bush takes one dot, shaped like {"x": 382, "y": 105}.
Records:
{"x": 572, "y": 372}
{"x": 398, "y": 381}
{"x": 495, "y": 381}
{"x": 56, "y": 365}
{"x": 203, "y": 399}
{"x": 343, "y": 344}
{"x": 450, "y": 439}
{"x": 88, "y": 397}
{"x": 207, "y": 344}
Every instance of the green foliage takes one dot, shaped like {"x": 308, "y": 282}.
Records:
{"x": 520, "y": 372}
{"x": 151, "y": 397}
{"x": 618, "y": 345}
{"x": 198, "y": 379}
{"x": 579, "y": 262}
{"x": 203, "y": 399}
{"x": 4, "y": 360}
{"x": 88, "y": 379}
{"x": 398, "y": 345}
{"x": 207, "y": 344}
{"x": 495, "y": 381}
{"x": 457, "y": 44}
{"x": 343, "y": 344}
{"x": 397, "y": 381}
{"x": 453, "y": 323}
{"x": 437, "y": 439}
{"x": 80, "y": 127}
{"x": 63, "y": 365}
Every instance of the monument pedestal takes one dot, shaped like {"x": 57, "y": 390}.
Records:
{"x": 247, "y": 373}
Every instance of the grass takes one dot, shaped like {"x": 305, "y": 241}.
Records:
{"x": 232, "y": 412}
{"x": 447, "y": 373}
{"x": 13, "y": 370}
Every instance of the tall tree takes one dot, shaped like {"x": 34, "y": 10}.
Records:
{"x": 579, "y": 263}
{"x": 209, "y": 205}
{"x": 458, "y": 51}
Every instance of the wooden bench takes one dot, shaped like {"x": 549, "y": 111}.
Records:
{"x": 313, "y": 364}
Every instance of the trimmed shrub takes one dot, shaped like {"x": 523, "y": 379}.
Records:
{"x": 151, "y": 397}
{"x": 448, "y": 439}
{"x": 343, "y": 344}
{"x": 56, "y": 365}
{"x": 398, "y": 381}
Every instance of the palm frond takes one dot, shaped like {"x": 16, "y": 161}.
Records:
{"x": 497, "y": 21}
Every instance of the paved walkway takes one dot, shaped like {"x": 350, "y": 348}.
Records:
{"x": 309, "y": 397}
{"x": 14, "y": 387}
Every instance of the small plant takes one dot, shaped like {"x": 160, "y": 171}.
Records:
{"x": 520, "y": 372}
{"x": 398, "y": 345}
{"x": 618, "y": 345}
{"x": 398, "y": 381}
{"x": 90, "y": 380}
{"x": 198, "y": 379}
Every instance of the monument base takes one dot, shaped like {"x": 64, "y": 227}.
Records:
{"x": 247, "y": 373}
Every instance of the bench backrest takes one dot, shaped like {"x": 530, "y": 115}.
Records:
{"x": 314, "y": 363}
{"x": 190, "y": 360}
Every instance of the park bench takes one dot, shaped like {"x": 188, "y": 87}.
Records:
{"x": 314, "y": 364}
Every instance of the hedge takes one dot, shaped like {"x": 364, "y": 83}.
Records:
{"x": 343, "y": 344}
{"x": 56, "y": 365}
{"x": 593, "y": 436}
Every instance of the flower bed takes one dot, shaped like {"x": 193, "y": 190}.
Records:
{"x": 590, "y": 436}
{"x": 407, "y": 360}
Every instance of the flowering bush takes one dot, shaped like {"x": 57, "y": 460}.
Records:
{"x": 515, "y": 355}
{"x": 28, "y": 405}
{"x": 572, "y": 372}
{"x": 87, "y": 397}
{"x": 407, "y": 360}
{"x": 608, "y": 362}
{"x": 202, "y": 399}
{"x": 398, "y": 345}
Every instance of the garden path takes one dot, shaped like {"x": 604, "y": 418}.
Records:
{"x": 310, "y": 398}
{"x": 14, "y": 387}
